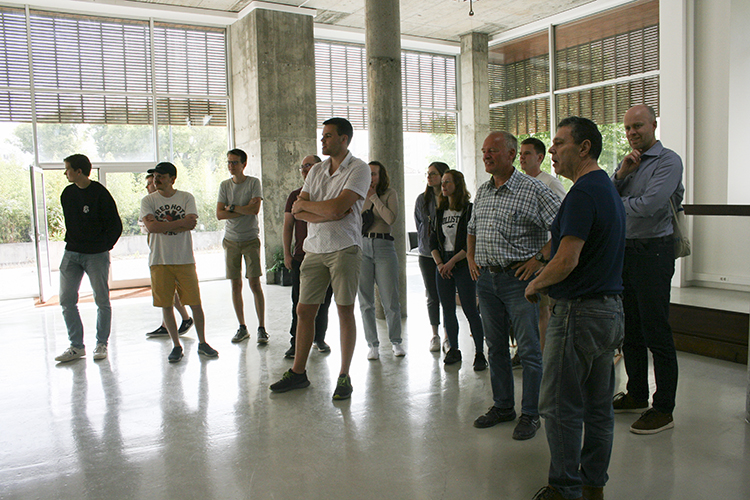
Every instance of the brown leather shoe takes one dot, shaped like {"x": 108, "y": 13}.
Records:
{"x": 593, "y": 492}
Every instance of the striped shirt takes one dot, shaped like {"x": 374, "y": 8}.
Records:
{"x": 510, "y": 223}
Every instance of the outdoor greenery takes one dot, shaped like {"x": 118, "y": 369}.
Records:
{"x": 197, "y": 152}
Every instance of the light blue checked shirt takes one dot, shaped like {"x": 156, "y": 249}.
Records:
{"x": 511, "y": 222}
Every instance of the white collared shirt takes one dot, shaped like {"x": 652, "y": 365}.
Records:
{"x": 353, "y": 174}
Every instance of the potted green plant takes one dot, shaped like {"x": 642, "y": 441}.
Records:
{"x": 278, "y": 274}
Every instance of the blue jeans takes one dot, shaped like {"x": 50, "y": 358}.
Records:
{"x": 467, "y": 292}
{"x": 502, "y": 303}
{"x": 72, "y": 267}
{"x": 577, "y": 389}
{"x": 379, "y": 265}
{"x": 427, "y": 267}
{"x": 647, "y": 278}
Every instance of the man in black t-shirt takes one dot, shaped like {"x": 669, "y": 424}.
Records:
{"x": 92, "y": 227}
{"x": 584, "y": 276}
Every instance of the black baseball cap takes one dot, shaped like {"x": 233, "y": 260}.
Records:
{"x": 164, "y": 168}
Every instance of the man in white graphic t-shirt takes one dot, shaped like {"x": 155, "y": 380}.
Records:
{"x": 169, "y": 215}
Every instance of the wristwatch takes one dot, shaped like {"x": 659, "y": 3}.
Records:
{"x": 540, "y": 257}
{"x": 231, "y": 208}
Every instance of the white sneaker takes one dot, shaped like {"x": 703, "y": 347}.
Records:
{"x": 398, "y": 350}
{"x": 100, "y": 352}
{"x": 373, "y": 353}
{"x": 435, "y": 343}
{"x": 446, "y": 345}
{"x": 71, "y": 353}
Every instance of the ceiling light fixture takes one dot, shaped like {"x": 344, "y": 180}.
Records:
{"x": 471, "y": 6}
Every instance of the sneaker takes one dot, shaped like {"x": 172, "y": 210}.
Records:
{"x": 159, "y": 332}
{"x": 446, "y": 345}
{"x": 548, "y": 493}
{"x": 175, "y": 355}
{"x": 290, "y": 381}
{"x": 343, "y": 388}
{"x": 373, "y": 353}
{"x": 71, "y": 353}
{"x": 262, "y": 335}
{"x": 480, "y": 362}
{"x": 241, "y": 335}
{"x": 322, "y": 346}
{"x": 625, "y": 403}
{"x": 398, "y": 350}
{"x": 435, "y": 343}
{"x": 494, "y": 416}
{"x": 100, "y": 351}
{"x": 526, "y": 427}
{"x": 515, "y": 361}
{"x": 651, "y": 422}
{"x": 207, "y": 350}
{"x": 452, "y": 356}
{"x": 289, "y": 354}
{"x": 185, "y": 326}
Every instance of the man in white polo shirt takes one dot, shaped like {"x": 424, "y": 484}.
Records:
{"x": 331, "y": 202}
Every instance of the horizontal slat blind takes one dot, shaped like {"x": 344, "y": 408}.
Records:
{"x": 608, "y": 104}
{"x": 528, "y": 117}
{"x": 76, "y": 53}
{"x": 14, "y": 58}
{"x": 428, "y": 87}
{"x": 94, "y": 70}
{"x": 190, "y": 61}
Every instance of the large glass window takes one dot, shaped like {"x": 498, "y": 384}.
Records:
{"x": 603, "y": 64}
{"x": 127, "y": 93}
{"x": 430, "y": 114}
{"x": 606, "y": 63}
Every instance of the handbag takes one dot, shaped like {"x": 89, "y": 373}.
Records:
{"x": 681, "y": 241}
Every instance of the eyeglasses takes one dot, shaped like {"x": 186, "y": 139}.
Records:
{"x": 433, "y": 174}
{"x": 305, "y": 165}
{"x": 233, "y": 162}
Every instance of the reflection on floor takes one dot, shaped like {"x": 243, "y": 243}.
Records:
{"x": 134, "y": 426}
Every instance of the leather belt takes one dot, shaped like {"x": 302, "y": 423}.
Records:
{"x": 501, "y": 269}
{"x": 379, "y": 236}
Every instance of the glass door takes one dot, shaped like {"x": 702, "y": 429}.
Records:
{"x": 41, "y": 237}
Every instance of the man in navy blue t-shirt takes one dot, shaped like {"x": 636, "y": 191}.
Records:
{"x": 584, "y": 276}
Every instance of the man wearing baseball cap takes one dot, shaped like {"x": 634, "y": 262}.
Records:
{"x": 169, "y": 215}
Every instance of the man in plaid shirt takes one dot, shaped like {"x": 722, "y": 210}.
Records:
{"x": 506, "y": 244}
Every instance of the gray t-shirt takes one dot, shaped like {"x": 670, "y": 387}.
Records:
{"x": 245, "y": 227}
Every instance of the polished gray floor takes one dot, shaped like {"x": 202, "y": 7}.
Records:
{"x": 133, "y": 426}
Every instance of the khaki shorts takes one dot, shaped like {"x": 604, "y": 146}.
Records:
{"x": 166, "y": 279}
{"x": 339, "y": 269}
{"x": 233, "y": 253}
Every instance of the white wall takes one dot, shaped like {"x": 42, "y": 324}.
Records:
{"x": 719, "y": 172}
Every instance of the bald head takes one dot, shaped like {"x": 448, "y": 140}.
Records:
{"x": 640, "y": 127}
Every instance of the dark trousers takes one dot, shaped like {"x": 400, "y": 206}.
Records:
{"x": 428, "y": 268}
{"x": 467, "y": 292}
{"x": 321, "y": 320}
{"x": 647, "y": 277}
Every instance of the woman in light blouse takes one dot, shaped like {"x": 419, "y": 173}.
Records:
{"x": 448, "y": 244}
{"x": 380, "y": 263}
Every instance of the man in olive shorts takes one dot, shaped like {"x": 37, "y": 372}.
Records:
{"x": 239, "y": 203}
{"x": 331, "y": 203}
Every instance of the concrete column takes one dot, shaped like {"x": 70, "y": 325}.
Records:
{"x": 273, "y": 81}
{"x": 475, "y": 106}
{"x": 385, "y": 121}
